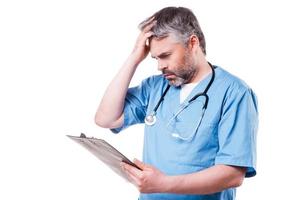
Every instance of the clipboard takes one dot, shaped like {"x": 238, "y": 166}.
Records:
{"x": 104, "y": 152}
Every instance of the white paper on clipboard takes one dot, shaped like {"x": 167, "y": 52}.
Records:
{"x": 105, "y": 152}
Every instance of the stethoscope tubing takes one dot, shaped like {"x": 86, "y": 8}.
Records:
{"x": 151, "y": 119}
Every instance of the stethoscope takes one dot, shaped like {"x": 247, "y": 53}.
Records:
{"x": 151, "y": 118}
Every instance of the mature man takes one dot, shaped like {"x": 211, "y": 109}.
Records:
{"x": 201, "y": 121}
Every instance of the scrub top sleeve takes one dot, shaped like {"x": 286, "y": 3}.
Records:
{"x": 135, "y": 106}
{"x": 237, "y": 131}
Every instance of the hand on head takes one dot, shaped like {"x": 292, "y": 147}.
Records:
{"x": 142, "y": 48}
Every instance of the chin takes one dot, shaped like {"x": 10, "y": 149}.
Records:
{"x": 176, "y": 82}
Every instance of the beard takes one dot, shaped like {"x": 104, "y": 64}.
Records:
{"x": 183, "y": 74}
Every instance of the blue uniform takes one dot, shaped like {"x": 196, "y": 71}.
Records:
{"x": 226, "y": 135}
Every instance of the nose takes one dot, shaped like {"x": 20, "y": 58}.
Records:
{"x": 162, "y": 65}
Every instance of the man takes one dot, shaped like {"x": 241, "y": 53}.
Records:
{"x": 200, "y": 132}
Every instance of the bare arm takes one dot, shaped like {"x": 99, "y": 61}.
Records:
{"x": 110, "y": 111}
{"x": 208, "y": 181}
{"x": 211, "y": 180}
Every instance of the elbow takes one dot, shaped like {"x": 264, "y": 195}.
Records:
{"x": 238, "y": 181}
{"x": 104, "y": 121}
{"x": 100, "y": 121}
{"x": 235, "y": 177}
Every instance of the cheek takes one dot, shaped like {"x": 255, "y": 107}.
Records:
{"x": 189, "y": 62}
{"x": 178, "y": 62}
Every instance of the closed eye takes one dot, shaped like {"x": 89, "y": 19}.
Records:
{"x": 164, "y": 55}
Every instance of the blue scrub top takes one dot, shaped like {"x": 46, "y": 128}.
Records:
{"x": 226, "y": 135}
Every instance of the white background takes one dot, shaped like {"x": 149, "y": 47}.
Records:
{"x": 57, "y": 57}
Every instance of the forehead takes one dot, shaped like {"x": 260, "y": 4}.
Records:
{"x": 163, "y": 45}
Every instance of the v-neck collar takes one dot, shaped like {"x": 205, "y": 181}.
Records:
{"x": 174, "y": 93}
{"x": 200, "y": 87}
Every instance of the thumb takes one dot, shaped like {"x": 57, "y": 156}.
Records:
{"x": 139, "y": 163}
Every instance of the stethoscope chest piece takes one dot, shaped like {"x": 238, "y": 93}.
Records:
{"x": 150, "y": 119}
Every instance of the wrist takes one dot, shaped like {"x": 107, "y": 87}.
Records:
{"x": 170, "y": 184}
{"x": 137, "y": 57}
{"x": 130, "y": 63}
{"x": 133, "y": 60}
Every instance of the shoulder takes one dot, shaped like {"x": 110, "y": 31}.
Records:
{"x": 229, "y": 82}
{"x": 230, "y": 88}
{"x": 155, "y": 81}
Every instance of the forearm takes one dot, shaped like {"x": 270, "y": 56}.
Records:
{"x": 110, "y": 111}
{"x": 211, "y": 180}
{"x": 112, "y": 103}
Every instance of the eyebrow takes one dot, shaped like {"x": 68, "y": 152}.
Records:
{"x": 162, "y": 54}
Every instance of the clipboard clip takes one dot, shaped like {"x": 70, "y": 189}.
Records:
{"x": 82, "y": 135}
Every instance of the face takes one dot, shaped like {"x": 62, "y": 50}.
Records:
{"x": 174, "y": 60}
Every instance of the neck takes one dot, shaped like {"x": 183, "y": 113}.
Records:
{"x": 203, "y": 70}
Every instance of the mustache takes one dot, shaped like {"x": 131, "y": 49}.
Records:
{"x": 165, "y": 71}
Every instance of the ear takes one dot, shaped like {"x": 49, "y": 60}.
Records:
{"x": 193, "y": 42}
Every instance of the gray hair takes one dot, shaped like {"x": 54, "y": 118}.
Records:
{"x": 179, "y": 21}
